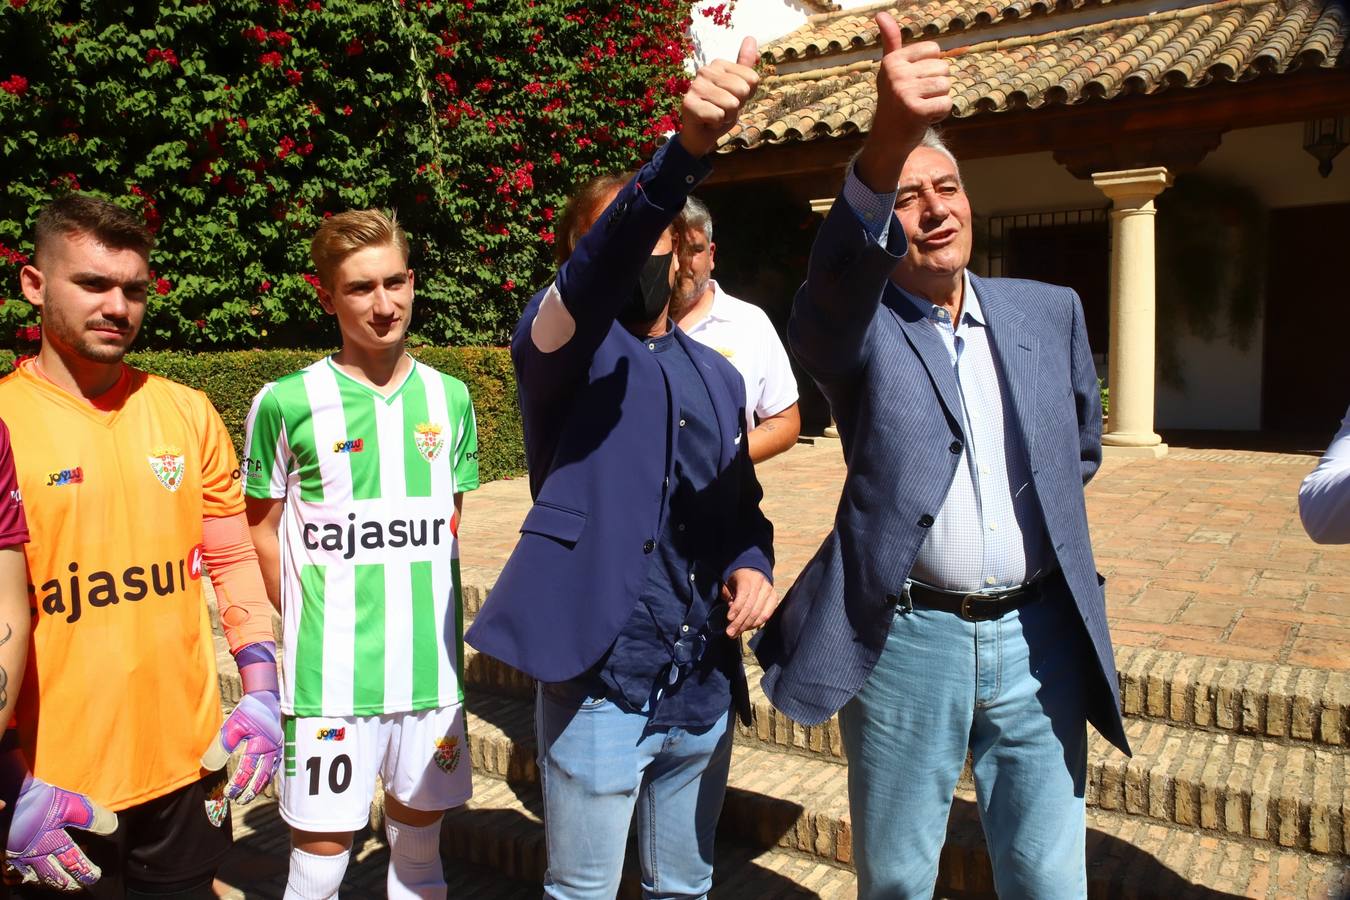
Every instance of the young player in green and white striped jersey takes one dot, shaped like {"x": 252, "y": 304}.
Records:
{"x": 355, "y": 469}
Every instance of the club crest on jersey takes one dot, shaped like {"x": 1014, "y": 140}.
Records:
{"x": 429, "y": 440}
{"x": 353, "y": 446}
{"x": 447, "y": 754}
{"x": 167, "y": 464}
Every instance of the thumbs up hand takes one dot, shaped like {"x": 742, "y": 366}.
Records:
{"x": 715, "y": 98}
{"x": 912, "y": 94}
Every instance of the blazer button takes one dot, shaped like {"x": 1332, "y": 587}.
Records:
{"x": 648, "y": 546}
{"x": 955, "y": 447}
{"x": 925, "y": 521}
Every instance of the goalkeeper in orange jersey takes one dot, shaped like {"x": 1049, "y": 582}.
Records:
{"x": 132, "y": 491}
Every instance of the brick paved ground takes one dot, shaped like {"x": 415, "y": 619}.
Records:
{"x": 1203, "y": 550}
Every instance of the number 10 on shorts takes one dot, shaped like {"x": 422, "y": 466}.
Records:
{"x": 339, "y": 774}
{"x": 331, "y": 763}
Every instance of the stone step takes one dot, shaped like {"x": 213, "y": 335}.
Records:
{"x": 774, "y": 729}
{"x": 501, "y": 828}
{"x": 1260, "y": 699}
{"x": 1288, "y": 796}
{"x": 1282, "y": 703}
{"x": 1291, "y": 794}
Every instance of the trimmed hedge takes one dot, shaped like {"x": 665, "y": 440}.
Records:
{"x": 231, "y": 379}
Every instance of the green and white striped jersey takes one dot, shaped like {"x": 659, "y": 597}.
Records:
{"x": 369, "y": 554}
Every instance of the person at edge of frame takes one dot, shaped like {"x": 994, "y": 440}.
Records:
{"x": 133, "y": 491}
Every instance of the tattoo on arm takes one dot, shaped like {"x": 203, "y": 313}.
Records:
{"x": 4, "y": 676}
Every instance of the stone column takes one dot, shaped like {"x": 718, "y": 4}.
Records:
{"x": 1129, "y": 427}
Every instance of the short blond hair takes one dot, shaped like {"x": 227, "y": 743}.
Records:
{"x": 343, "y": 234}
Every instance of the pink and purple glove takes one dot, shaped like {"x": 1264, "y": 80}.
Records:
{"x": 40, "y": 849}
{"x": 255, "y": 723}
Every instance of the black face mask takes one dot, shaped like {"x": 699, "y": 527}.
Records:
{"x": 651, "y": 293}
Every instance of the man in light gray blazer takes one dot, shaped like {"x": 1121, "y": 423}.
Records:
{"x": 955, "y": 605}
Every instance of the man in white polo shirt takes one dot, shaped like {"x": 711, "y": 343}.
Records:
{"x": 741, "y": 332}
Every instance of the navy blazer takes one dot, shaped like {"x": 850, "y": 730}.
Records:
{"x": 894, "y": 396}
{"x": 599, "y": 430}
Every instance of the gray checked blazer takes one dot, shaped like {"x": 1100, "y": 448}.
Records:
{"x": 890, "y": 385}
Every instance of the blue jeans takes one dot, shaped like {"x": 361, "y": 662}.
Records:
{"x": 596, "y": 763}
{"x": 1013, "y": 691}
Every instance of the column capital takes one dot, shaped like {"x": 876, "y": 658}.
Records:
{"x": 1133, "y": 187}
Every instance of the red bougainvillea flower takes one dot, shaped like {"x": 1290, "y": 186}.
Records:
{"x": 271, "y": 59}
{"x": 265, "y": 286}
{"x": 508, "y": 285}
{"x": 155, "y": 54}
{"x": 15, "y": 84}
{"x": 294, "y": 76}
{"x": 162, "y": 286}
{"x": 312, "y": 279}
{"x": 13, "y": 257}
{"x": 31, "y": 333}
{"x": 355, "y": 47}
{"x": 200, "y": 323}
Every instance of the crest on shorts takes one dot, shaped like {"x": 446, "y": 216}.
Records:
{"x": 429, "y": 440}
{"x": 447, "y": 753}
{"x": 167, "y": 464}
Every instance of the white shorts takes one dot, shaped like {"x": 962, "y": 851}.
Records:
{"x": 330, "y": 764}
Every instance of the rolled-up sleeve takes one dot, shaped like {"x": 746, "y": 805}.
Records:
{"x": 1324, "y": 498}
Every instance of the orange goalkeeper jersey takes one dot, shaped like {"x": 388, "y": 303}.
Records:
{"x": 120, "y": 697}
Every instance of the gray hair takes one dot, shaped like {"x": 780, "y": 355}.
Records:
{"x": 933, "y": 141}
{"x": 696, "y": 215}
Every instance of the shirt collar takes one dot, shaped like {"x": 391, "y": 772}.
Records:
{"x": 970, "y": 304}
{"x": 719, "y": 305}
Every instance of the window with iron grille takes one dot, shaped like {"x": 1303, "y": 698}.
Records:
{"x": 1069, "y": 247}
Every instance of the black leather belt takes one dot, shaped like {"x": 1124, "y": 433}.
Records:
{"x": 981, "y": 607}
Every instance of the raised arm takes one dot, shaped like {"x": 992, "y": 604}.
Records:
{"x": 860, "y": 241}
{"x": 565, "y": 323}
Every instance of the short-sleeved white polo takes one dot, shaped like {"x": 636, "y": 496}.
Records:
{"x": 742, "y": 333}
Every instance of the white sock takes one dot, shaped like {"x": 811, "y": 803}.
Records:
{"x": 415, "y": 869}
{"x": 315, "y": 877}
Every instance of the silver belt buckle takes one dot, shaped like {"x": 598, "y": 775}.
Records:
{"x": 965, "y": 607}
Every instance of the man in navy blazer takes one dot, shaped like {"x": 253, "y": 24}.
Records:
{"x": 645, "y": 554}
{"x": 955, "y": 605}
